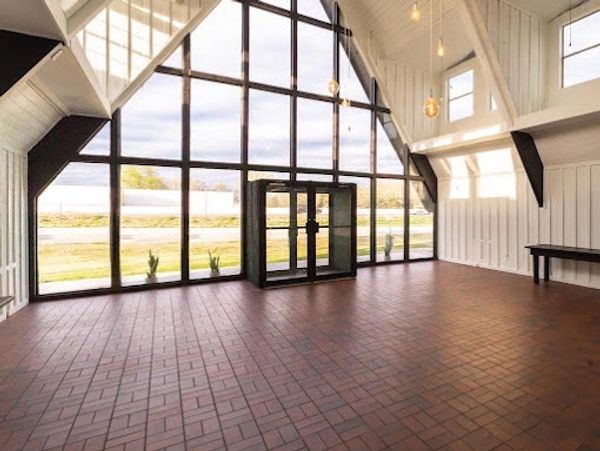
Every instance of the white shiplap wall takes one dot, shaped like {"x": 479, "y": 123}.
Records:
{"x": 492, "y": 232}
{"x": 405, "y": 90}
{"x": 13, "y": 230}
{"x": 519, "y": 38}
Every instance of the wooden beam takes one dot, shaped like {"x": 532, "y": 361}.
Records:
{"x": 426, "y": 171}
{"x": 475, "y": 27}
{"x": 57, "y": 148}
{"x": 532, "y": 163}
{"x": 21, "y": 54}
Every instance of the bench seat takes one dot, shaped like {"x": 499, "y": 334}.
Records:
{"x": 549, "y": 251}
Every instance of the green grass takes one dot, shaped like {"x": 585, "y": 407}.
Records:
{"x": 73, "y": 262}
{"x": 165, "y": 222}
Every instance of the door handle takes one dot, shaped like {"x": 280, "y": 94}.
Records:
{"x": 312, "y": 226}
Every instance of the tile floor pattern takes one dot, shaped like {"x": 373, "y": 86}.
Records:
{"x": 421, "y": 356}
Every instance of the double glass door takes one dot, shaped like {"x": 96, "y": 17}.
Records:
{"x": 310, "y": 231}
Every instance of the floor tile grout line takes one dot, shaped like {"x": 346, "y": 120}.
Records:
{"x": 114, "y": 326}
{"x": 106, "y": 302}
{"x": 50, "y": 354}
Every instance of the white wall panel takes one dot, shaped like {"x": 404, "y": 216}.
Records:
{"x": 519, "y": 39}
{"x": 13, "y": 230}
{"x": 492, "y": 232}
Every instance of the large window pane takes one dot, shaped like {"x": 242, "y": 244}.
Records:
{"x": 151, "y": 120}
{"x": 267, "y": 175}
{"x": 582, "y": 67}
{"x": 175, "y": 59}
{"x": 388, "y": 158}
{"x": 280, "y": 3}
{"x": 73, "y": 230}
{"x": 215, "y": 122}
{"x": 150, "y": 222}
{"x": 355, "y": 139}
{"x": 216, "y": 44}
{"x": 350, "y": 85}
{"x": 315, "y": 58}
{"x": 269, "y": 129}
{"x": 315, "y": 134}
{"x": 269, "y": 48}
{"x": 313, "y": 8}
{"x": 421, "y": 221}
{"x": 214, "y": 222}
{"x": 390, "y": 219}
{"x": 363, "y": 216}
{"x": 100, "y": 144}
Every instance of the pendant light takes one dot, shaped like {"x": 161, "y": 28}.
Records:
{"x": 415, "y": 13}
{"x": 333, "y": 86}
{"x": 432, "y": 106}
{"x": 441, "y": 51}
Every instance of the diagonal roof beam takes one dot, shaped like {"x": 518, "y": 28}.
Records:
{"x": 475, "y": 28}
{"x": 84, "y": 14}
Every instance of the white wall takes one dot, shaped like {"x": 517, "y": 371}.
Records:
{"x": 13, "y": 230}
{"x": 519, "y": 38}
{"x": 491, "y": 232}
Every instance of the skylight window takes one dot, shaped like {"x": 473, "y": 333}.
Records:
{"x": 581, "y": 50}
{"x": 460, "y": 96}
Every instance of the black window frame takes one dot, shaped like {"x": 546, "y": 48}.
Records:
{"x": 376, "y": 107}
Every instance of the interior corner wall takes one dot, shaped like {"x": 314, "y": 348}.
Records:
{"x": 492, "y": 232}
{"x": 13, "y": 231}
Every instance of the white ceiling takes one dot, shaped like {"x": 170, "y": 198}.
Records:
{"x": 548, "y": 9}
{"x": 409, "y": 43}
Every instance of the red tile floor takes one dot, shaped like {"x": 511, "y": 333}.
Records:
{"x": 420, "y": 356}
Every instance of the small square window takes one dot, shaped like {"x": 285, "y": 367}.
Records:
{"x": 460, "y": 96}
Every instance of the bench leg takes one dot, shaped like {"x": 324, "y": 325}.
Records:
{"x": 546, "y": 269}
{"x": 536, "y": 269}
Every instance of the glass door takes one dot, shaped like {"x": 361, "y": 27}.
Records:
{"x": 336, "y": 239}
{"x": 287, "y": 254}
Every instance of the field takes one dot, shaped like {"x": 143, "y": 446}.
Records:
{"x": 86, "y": 255}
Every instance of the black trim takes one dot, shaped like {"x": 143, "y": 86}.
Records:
{"x": 424, "y": 168}
{"x": 530, "y": 157}
{"x": 20, "y": 54}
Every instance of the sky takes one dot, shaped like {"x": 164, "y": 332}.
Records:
{"x": 151, "y": 120}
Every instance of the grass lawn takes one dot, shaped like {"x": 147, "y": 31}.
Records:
{"x": 81, "y": 261}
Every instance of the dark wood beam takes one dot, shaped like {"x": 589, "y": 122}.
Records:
{"x": 20, "y": 54}
{"x": 530, "y": 157}
{"x": 58, "y": 148}
{"x": 425, "y": 170}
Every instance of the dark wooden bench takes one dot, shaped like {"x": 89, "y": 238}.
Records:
{"x": 549, "y": 251}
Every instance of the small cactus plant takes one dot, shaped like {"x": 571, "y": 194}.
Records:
{"x": 213, "y": 261}
{"x": 389, "y": 244}
{"x": 153, "y": 261}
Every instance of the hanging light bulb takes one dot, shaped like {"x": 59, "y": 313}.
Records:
{"x": 432, "y": 107}
{"x": 333, "y": 86}
{"x": 415, "y": 14}
{"x": 441, "y": 51}
{"x": 345, "y": 102}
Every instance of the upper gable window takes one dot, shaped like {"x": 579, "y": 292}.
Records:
{"x": 460, "y": 96}
{"x": 581, "y": 50}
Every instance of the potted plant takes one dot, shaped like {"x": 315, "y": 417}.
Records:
{"x": 389, "y": 245}
{"x": 214, "y": 263}
{"x": 153, "y": 261}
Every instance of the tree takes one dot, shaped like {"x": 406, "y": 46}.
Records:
{"x": 141, "y": 177}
